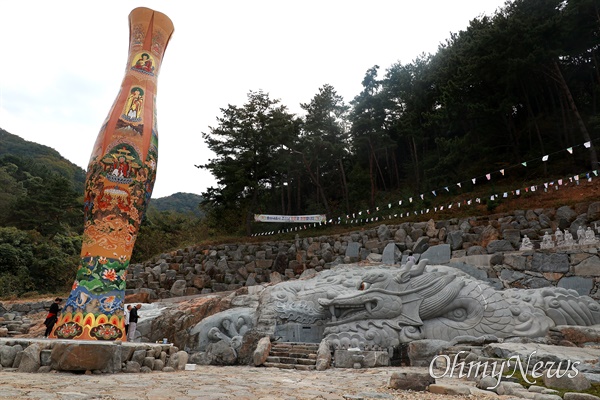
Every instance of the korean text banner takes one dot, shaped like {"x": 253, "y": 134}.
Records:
{"x": 289, "y": 218}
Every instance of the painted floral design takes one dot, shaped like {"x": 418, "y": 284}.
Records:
{"x": 106, "y": 332}
{"x": 68, "y": 330}
{"x": 109, "y": 275}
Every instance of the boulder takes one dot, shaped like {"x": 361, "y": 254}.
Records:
{"x": 383, "y": 233}
{"x": 496, "y": 246}
{"x": 8, "y": 355}
{"x": 221, "y": 353}
{"x": 566, "y": 380}
{"x": 421, "y": 352}
{"x": 178, "y": 288}
{"x": 262, "y": 351}
{"x": 421, "y": 245}
{"x": 564, "y": 216}
{"x": 439, "y": 254}
{"x": 593, "y": 211}
{"x": 30, "y": 359}
{"x": 455, "y": 240}
{"x": 79, "y": 356}
{"x": 416, "y": 381}
{"x": 391, "y": 254}
{"x": 579, "y": 396}
{"x": 323, "y": 356}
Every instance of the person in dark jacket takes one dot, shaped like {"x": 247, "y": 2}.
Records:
{"x": 52, "y": 316}
{"x": 133, "y": 319}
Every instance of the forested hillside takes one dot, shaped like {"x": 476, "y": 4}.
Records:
{"x": 508, "y": 90}
{"x": 184, "y": 203}
{"x": 41, "y": 155}
{"x": 41, "y": 219}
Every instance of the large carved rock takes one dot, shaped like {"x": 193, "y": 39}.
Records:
{"x": 378, "y": 307}
{"x": 375, "y": 307}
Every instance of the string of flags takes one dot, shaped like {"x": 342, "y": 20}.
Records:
{"x": 359, "y": 218}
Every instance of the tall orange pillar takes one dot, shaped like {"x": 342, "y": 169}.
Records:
{"x": 120, "y": 178}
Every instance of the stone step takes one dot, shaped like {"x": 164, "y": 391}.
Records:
{"x": 297, "y": 347}
{"x": 279, "y": 365}
{"x": 290, "y": 354}
{"x": 289, "y": 366}
{"x": 306, "y": 367}
{"x": 291, "y": 360}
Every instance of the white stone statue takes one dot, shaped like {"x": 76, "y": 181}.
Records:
{"x": 526, "y": 244}
{"x": 580, "y": 235}
{"x": 590, "y": 237}
{"x": 569, "y": 241}
{"x": 547, "y": 242}
{"x": 560, "y": 238}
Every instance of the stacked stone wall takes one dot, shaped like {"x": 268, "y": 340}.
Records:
{"x": 486, "y": 247}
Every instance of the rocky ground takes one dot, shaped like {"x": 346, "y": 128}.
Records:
{"x": 218, "y": 383}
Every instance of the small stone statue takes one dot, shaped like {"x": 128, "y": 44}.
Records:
{"x": 547, "y": 242}
{"x": 560, "y": 238}
{"x": 569, "y": 241}
{"x": 580, "y": 235}
{"x": 526, "y": 244}
{"x": 590, "y": 237}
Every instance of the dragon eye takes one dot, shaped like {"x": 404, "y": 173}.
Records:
{"x": 364, "y": 286}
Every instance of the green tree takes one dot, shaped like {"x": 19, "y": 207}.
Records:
{"x": 324, "y": 144}
{"x": 246, "y": 143}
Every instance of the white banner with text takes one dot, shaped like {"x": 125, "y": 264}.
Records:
{"x": 300, "y": 219}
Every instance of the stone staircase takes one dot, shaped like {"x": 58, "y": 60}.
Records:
{"x": 302, "y": 356}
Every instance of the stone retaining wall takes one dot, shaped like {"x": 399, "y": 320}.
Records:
{"x": 14, "y": 316}
{"x": 41, "y": 355}
{"x": 485, "y": 246}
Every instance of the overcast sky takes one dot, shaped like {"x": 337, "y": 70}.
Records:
{"x": 62, "y": 63}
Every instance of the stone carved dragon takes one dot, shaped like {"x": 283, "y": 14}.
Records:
{"x": 378, "y": 307}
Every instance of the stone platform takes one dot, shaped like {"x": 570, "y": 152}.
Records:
{"x": 45, "y": 355}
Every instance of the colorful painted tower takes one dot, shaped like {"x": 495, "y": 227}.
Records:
{"x": 120, "y": 178}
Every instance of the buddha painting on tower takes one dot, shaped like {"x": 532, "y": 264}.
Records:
{"x": 120, "y": 178}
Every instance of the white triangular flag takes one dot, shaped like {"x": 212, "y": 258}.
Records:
{"x": 502, "y": 172}
{"x": 545, "y": 158}
{"x": 587, "y": 145}
{"x": 488, "y": 176}
{"x": 570, "y": 150}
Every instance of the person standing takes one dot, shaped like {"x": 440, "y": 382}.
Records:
{"x": 133, "y": 319}
{"x": 52, "y": 316}
{"x": 126, "y": 318}
{"x": 411, "y": 257}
